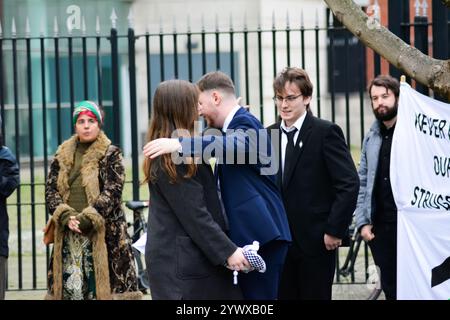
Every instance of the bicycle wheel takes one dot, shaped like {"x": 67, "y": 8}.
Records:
{"x": 141, "y": 271}
{"x": 143, "y": 279}
{"x": 374, "y": 294}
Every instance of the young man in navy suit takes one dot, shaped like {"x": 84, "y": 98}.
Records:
{"x": 319, "y": 185}
{"x": 246, "y": 179}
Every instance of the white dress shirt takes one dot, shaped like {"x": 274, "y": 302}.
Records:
{"x": 229, "y": 118}
{"x": 297, "y": 124}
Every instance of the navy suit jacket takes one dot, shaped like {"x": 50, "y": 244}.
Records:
{"x": 252, "y": 201}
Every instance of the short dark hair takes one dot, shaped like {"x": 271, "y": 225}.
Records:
{"x": 216, "y": 80}
{"x": 387, "y": 81}
{"x": 297, "y": 76}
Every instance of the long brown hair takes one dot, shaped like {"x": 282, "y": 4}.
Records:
{"x": 174, "y": 107}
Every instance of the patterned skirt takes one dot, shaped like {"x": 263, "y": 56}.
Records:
{"x": 78, "y": 267}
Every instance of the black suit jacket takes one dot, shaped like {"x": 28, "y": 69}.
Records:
{"x": 322, "y": 186}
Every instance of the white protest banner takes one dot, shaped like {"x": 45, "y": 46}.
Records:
{"x": 420, "y": 179}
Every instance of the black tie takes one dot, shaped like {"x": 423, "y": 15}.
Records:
{"x": 289, "y": 152}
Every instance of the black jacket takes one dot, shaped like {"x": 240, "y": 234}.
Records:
{"x": 9, "y": 180}
{"x": 186, "y": 240}
{"x": 322, "y": 186}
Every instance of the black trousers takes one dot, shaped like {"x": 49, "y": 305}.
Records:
{"x": 307, "y": 277}
{"x": 384, "y": 252}
{"x": 3, "y": 270}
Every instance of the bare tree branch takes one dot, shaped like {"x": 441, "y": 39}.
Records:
{"x": 424, "y": 69}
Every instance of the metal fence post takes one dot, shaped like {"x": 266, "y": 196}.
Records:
{"x": 148, "y": 70}
{"x": 316, "y": 42}
{"x": 44, "y": 125}
{"x": 71, "y": 82}
{"x": 405, "y": 25}
{"x": 31, "y": 150}
{"x": 331, "y": 31}
{"x": 133, "y": 108}
{"x": 57, "y": 84}
{"x": 99, "y": 63}
{"x": 175, "y": 51}
{"x": 440, "y": 35}
{"x": 189, "y": 50}
{"x": 274, "y": 54}
{"x": 376, "y": 56}
{"x": 394, "y": 24}
{"x": 85, "y": 63}
{"x": 115, "y": 81}
{"x": 17, "y": 150}
{"x": 260, "y": 72}
{"x": 421, "y": 42}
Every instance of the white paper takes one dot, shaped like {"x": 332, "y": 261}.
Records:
{"x": 140, "y": 243}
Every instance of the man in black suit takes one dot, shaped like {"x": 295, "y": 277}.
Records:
{"x": 319, "y": 184}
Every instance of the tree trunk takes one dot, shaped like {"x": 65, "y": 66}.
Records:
{"x": 424, "y": 69}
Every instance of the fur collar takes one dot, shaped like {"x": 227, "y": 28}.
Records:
{"x": 89, "y": 165}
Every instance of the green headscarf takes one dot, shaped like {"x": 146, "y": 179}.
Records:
{"x": 87, "y": 105}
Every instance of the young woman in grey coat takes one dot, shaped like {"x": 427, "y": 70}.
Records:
{"x": 187, "y": 245}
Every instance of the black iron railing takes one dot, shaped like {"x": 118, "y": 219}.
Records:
{"x": 42, "y": 78}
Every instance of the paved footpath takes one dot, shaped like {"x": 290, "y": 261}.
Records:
{"x": 37, "y": 295}
{"x": 340, "y": 292}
